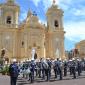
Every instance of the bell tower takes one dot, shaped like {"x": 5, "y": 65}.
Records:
{"x": 54, "y": 32}
{"x": 9, "y": 14}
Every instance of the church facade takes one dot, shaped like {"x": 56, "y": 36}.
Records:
{"x": 17, "y": 41}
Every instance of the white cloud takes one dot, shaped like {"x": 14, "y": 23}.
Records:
{"x": 36, "y": 2}
{"x": 79, "y": 12}
{"x": 51, "y": 1}
{"x": 23, "y": 16}
{"x": 65, "y": 1}
{"x": 65, "y": 4}
{"x": 46, "y": 3}
{"x": 75, "y": 31}
{"x": 64, "y": 7}
{"x": 43, "y": 22}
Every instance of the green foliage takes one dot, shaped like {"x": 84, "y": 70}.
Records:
{"x": 5, "y": 70}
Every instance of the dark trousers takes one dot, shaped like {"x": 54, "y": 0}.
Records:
{"x": 70, "y": 70}
{"x": 60, "y": 73}
{"x": 47, "y": 72}
{"x": 55, "y": 71}
{"x": 74, "y": 72}
{"x": 13, "y": 80}
{"x": 39, "y": 73}
{"x": 79, "y": 71}
{"x": 36, "y": 71}
{"x": 65, "y": 71}
{"x": 31, "y": 77}
{"x": 43, "y": 73}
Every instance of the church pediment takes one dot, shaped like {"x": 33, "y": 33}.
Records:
{"x": 33, "y": 22}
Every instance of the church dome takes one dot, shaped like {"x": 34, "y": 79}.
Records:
{"x": 32, "y": 18}
{"x": 32, "y": 21}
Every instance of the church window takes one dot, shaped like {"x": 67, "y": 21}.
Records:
{"x": 22, "y": 43}
{"x": 34, "y": 44}
{"x": 8, "y": 20}
{"x": 56, "y": 23}
{"x": 38, "y": 47}
{"x": 30, "y": 47}
{"x": 44, "y": 43}
{"x": 35, "y": 56}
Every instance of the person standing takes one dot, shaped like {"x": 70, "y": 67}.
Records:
{"x": 46, "y": 68}
{"x": 65, "y": 68}
{"x": 79, "y": 67}
{"x": 49, "y": 68}
{"x": 32, "y": 69}
{"x": 59, "y": 67}
{"x": 55, "y": 68}
{"x": 13, "y": 71}
{"x": 74, "y": 68}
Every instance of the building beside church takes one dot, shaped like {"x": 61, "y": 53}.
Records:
{"x": 18, "y": 40}
{"x": 81, "y": 48}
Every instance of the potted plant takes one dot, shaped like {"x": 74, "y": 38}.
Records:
{"x": 7, "y": 70}
{"x": 3, "y": 71}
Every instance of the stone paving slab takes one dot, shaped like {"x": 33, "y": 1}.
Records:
{"x": 63, "y": 82}
{"x": 5, "y": 80}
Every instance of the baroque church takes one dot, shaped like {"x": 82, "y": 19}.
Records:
{"x": 17, "y": 41}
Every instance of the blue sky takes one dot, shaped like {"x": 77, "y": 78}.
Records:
{"x": 73, "y": 20}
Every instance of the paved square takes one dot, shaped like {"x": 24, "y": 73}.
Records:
{"x": 5, "y": 80}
